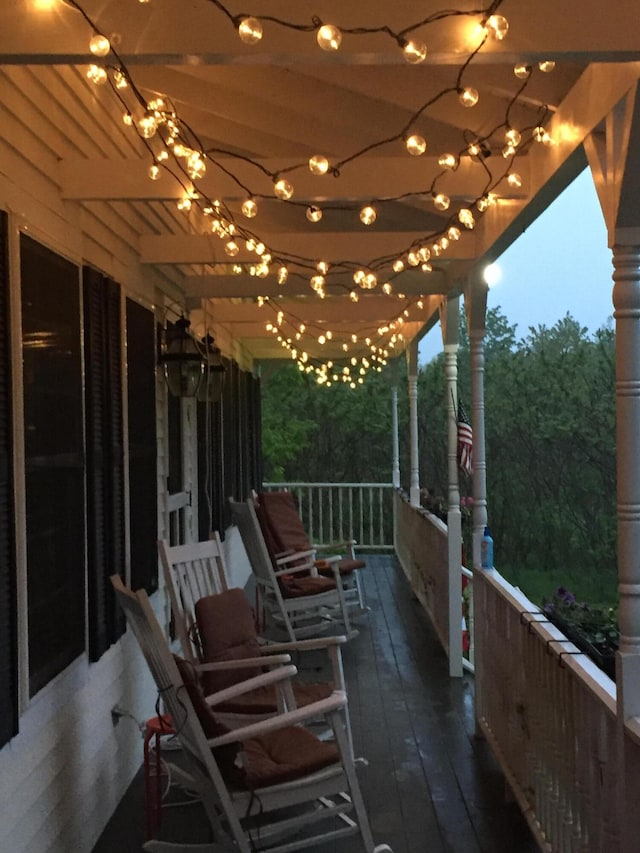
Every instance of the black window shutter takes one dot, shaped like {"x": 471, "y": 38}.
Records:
{"x": 8, "y": 637}
{"x": 143, "y": 485}
{"x": 105, "y": 459}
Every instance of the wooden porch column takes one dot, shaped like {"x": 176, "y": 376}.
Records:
{"x": 449, "y": 322}
{"x": 615, "y": 166}
{"x": 395, "y": 470}
{"x": 412, "y": 370}
{"x": 475, "y": 309}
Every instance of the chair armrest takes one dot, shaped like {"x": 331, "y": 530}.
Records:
{"x": 304, "y": 645}
{"x": 337, "y": 700}
{"x": 240, "y": 663}
{"x": 295, "y": 555}
{"x": 272, "y": 677}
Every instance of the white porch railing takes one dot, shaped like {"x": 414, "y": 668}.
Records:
{"x": 337, "y": 512}
{"x": 550, "y": 716}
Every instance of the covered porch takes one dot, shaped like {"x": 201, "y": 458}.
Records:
{"x": 130, "y": 172}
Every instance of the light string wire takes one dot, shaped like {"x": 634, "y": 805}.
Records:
{"x": 172, "y": 131}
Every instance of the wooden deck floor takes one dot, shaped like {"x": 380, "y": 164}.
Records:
{"x": 430, "y": 785}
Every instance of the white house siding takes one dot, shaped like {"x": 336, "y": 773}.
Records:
{"x": 62, "y": 775}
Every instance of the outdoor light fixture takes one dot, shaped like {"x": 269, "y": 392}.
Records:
{"x": 183, "y": 362}
{"x": 212, "y": 382}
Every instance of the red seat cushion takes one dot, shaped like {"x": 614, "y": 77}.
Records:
{"x": 271, "y": 759}
{"x": 346, "y": 566}
{"x": 227, "y": 632}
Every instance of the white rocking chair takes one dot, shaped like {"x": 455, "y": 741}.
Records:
{"x": 295, "y": 597}
{"x": 249, "y": 810}
{"x": 215, "y": 626}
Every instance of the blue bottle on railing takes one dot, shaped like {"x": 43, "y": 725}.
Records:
{"x": 486, "y": 550}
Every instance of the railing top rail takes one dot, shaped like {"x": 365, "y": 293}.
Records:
{"x": 338, "y": 485}
{"x": 591, "y": 676}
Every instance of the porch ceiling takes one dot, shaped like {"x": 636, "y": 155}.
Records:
{"x": 258, "y": 110}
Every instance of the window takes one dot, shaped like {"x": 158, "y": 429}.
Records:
{"x": 54, "y": 460}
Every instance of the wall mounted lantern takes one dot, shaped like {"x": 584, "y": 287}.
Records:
{"x": 212, "y": 382}
{"x": 183, "y": 361}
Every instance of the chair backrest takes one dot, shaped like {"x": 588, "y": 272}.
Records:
{"x": 192, "y": 572}
{"x": 278, "y": 511}
{"x": 244, "y": 516}
{"x": 175, "y": 697}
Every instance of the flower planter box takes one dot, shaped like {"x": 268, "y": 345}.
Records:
{"x": 606, "y": 660}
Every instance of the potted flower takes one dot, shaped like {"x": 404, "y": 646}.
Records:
{"x": 594, "y": 630}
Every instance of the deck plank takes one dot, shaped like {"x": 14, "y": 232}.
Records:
{"x": 430, "y": 784}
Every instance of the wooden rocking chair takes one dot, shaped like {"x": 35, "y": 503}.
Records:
{"x": 216, "y": 629}
{"x": 294, "y": 596}
{"x": 284, "y": 533}
{"x": 269, "y": 786}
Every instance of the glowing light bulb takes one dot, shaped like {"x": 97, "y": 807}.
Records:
{"x": 416, "y": 144}
{"x": 508, "y": 151}
{"x": 546, "y": 66}
{"x": 260, "y": 249}
{"x": 368, "y": 215}
{"x": 369, "y": 281}
{"x": 398, "y": 265}
{"x": 154, "y": 172}
{"x": 250, "y": 30}
{"x": 447, "y": 161}
{"x": 465, "y": 216}
{"x": 99, "y": 45}
{"x": 513, "y": 137}
{"x": 387, "y": 288}
{"x": 468, "y": 97}
{"x": 283, "y": 189}
{"x": 236, "y": 269}
{"x": 474, "y": 149}
{"x": 514, "y": 180}
{"x": 441, "y": 201}
{"x": 314, "y": 214}
{"x": 147, "y": 126}
{"x": 231, "y": 248}
{"x": 424, "y": 253}
{"x": 97, "y": 75}
{"x": 196, "y": 167}
{"x": 358, "y": 276}
{"x": 322, "y": 267}
{"x": 262, "y": 270}
{"x": 329, "y": 37}
{"x": 522, "y": 71}
{"x": 414, "y": 51}
{"x": 497, "y": 26}
{"x": 318, "y": 165}
{"x": 185, "y": 204}
{"x": 413, "y": 259}
{"x": 127, "y": 119}
{"x": 249, "y": 208}
{"x": 317, "y": 282}
{"x": 283, "y": 275}
{"x": 426, "y": 267}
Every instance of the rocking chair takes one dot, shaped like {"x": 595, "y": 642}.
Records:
{"x": 216, "y": 629}
{"x": 295, "y": 597}
{"x": 250, "y": 779}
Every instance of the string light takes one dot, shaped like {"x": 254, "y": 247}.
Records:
{"x": 161, "y": 121}
{"x": 250, "y": 30}
{"x": 329, "y": 37}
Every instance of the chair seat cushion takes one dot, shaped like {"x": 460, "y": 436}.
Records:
{"x": 345, "y": 566}
{"x": 271, "y": 759}
{"x": 298, "y": 587}
{"x": 285, "y": 755}
{"x": 264, "y": 700}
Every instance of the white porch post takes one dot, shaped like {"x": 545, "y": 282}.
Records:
{"x": 475, "y": 310}
{"x": 412, "y": 370}
{"x": 614, "y": 162}
{"x": 395, "y": 470}
{"x": 449, "y": 321}
{"x": 626, "y": 299}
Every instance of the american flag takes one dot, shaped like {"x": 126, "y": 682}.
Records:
{"x": 465, "y": 441}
